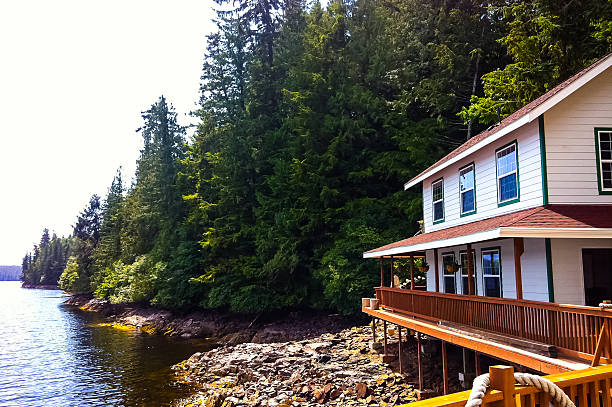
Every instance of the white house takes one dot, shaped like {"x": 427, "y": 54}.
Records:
{"x": 531, "y": 198}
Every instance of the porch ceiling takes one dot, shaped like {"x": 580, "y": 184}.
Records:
{"x": 552, "y": 221}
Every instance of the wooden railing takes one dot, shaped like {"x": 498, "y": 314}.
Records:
{"x": 589, "y": 387}
{"x": 577, "y": 330}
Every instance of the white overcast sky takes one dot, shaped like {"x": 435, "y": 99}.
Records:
{"x": 74, "y": 77}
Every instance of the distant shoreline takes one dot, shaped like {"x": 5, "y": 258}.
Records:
{"x": 40, "y": 286}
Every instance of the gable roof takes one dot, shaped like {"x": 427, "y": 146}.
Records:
{"x": 587, "y": 221}
{"x": 524, "y": 115}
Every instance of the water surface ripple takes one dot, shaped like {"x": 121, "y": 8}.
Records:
{"x": 57, "y": 355}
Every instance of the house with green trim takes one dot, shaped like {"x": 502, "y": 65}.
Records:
{"x": 540, "y": 183}
{"x": 516, "y": 240}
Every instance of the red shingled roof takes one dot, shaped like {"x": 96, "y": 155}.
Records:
{"x": 512, "y": 118}
{"x": 549, "y": 216}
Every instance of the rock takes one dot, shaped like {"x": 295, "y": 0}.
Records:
{"x": 215, "y": 400}
{"x": 376, "y": 345}
{"x": 317, "y": 346}
{"x": 361, "y": 390}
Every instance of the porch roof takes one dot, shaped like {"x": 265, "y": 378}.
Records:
{"x": 553, "y": 221}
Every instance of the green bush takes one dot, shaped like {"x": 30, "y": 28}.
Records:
{"x": 130, "y": 282}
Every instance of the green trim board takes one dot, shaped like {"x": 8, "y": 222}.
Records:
{"x": 543, "y": 159}
{"x": 597, "y": 157}
{"x": 549, "y": 271}
{"x": 518, "y": 182}
{"x": 463, "y": 214}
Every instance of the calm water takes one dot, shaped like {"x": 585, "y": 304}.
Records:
{"x": 56, "y": 355}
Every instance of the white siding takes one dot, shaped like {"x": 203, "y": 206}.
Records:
{"x": 533, "y": 265}
{"x": 567, "y": 267}
{"x": 570, "y": 142}
{"x": 530, "y": 181}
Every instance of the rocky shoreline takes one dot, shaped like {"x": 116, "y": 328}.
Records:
{"x": 224, "y": 328}
{"x": 334, "y": 369}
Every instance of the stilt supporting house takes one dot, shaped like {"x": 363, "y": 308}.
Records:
{"x": 374, "y": 330}
{"x": 400, "y": 350}
{"x": 419, "y": 360}
{"x": 384, "y": 337}
{"x": 444, "y": 368}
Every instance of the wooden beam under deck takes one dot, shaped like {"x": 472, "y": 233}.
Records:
{"x": 497, "y": 350}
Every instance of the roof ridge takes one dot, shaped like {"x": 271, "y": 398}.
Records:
{"x": 518, "y": 114}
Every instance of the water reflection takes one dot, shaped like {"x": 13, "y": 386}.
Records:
{"x": 55, "y": 355}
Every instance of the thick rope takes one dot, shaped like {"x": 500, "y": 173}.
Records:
{"x": 482, "y": 382}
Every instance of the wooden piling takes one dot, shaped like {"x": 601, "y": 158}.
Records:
{"x": 384, "y": 337}
{"x": 444, "y": 367}
{"x": 400, "y": 349}
{"x": 419, "y": 360}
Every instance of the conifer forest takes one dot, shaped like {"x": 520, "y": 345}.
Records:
{"x": 310, "y": 120}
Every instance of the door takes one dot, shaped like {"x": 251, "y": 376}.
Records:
{"x": 597, "y": 268}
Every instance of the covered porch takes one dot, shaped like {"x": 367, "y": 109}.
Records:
{"x": 512, "y": 323}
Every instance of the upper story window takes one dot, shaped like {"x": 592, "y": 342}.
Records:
{"x": 437, "y": 191}
{"x": 604, "y": 158}
{"x": 507, "y": 174}
{"x": 467, "y": 190}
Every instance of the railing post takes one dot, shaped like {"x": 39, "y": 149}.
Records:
{"x": 470, "y": 266}
{"x": 437, "y": 274}
{"x": 392, "y": 274}
{"x": 502, "y": 379}
{"x": 411, "y": 272}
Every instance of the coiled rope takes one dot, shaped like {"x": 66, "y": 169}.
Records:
{"x": 482, "y": 382}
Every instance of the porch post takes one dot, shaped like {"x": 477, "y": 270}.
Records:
{"x": 477, "y": 363}
{"x": 436, "y": 270}
{"x": 470, "y": 266}
{"x": 519, "y": 249}
{"x": 392, "y": 273}
{"x": 382, "y": 273}
{"x": 411, "y": 272}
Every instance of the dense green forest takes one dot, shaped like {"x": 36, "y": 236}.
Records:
{"x": 47, "y": 260}
{"x": 310, "y": 120}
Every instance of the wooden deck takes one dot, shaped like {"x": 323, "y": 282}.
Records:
{"x": 580, "y": 335}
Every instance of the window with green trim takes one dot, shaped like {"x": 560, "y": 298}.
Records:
{"x": 437, "y": 190}
{"x": 507, "y": 174}
{"x": 604, "y": 144}
{"x": 491, "y": 273}
{"x": 467, "y": 189}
